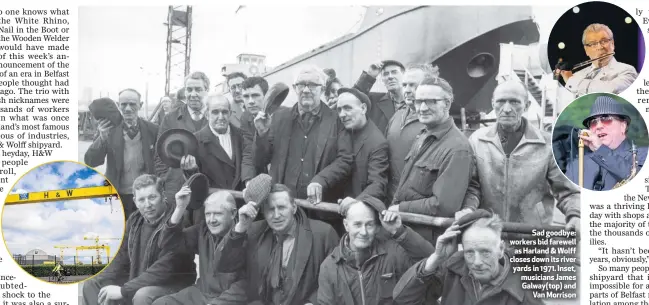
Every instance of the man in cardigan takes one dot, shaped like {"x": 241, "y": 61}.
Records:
{"x": 127, "y": 149}
{"x": 144, "y": 268}
{"x": 212, "y": 287}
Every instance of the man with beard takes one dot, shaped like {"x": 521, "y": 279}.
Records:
{"x": 202, "y": 239}
{"x": 254, "y": 90}
{"x": 220, "y": 147}
{"x": 384, "y": 105}
{"x": 145, "y": 268}
{"x": 127, "y": 149}
{"x": 190, "y": 117}
{"x": 306, "y": 145}
{"x": 439, "y": 164}
{"x": 235, "y": 84}
{"x": 480, "y": 273}
{"x": 604, "y": 75}
{"x": 404, "y": 126}
{"x": 280, "y": 254}
{"x": 370, "y": 168}
{"x": 610, "y": 160}
{"x": 367, "y": 263}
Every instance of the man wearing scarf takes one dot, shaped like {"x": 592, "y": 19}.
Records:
{"x": 515, "y": 167}
{"x": 479, "y": 274}
{"x": 128, "y": 149}
{"x": 145, "y": 268}
{"x": 205, "y": 239}
{"x": 367, "y": 264}
{"x": 280, "y": 254}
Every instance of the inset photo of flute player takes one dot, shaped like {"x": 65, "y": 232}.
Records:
{"x": 596, "y": 47}
{"x": 600, "y": 141}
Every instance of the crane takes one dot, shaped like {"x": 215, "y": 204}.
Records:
{"x": 62, "y": 248}
{"x": 99, "y": 247}
{"x": 106, "y": 248}
{"x": 106, "y": 191}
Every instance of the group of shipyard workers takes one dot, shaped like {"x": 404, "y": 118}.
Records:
{"x": 374, "y": 154}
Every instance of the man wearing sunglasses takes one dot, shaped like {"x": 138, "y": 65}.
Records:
{"x": 438, "y": 167}
{"x": 604, "y": 75}
{"x": 610, "y": 159}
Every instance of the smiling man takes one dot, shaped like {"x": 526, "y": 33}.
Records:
{"x": 202, "y": 239}
{"x": 604, "y": 75}
{"x": 439, "y": 164}
{"x": 611, "y": 159}
{"x": 281, "y": 254}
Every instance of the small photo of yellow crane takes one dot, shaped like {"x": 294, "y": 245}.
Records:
{"x": 60, "y": 222}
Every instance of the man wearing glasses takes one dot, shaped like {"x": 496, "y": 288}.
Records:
{"x": 306, "y": 146}
{"x": 438, "y": 167}
{"x": 235, "y": 84}
{"x": 128, "y": 148}
{"x": 611, "y": 159}
{"x": 604, "y": 75}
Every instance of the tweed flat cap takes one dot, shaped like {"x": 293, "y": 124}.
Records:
{"x": 606, "y": 105}
{"x": 467, "y": 220}
{"x": 258, "y": 189}
{"x": 358, "y": 94}
{"x": 390, "y": 62}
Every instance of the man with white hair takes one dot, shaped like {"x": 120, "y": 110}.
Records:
{"x": 306, "y": 145}
{"x": 212, "y": 287}
{"x": 604, "y": 75}
{"x": 480, "y": 273}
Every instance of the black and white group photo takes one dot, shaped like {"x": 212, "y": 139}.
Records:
{"x": 329, "y": 155}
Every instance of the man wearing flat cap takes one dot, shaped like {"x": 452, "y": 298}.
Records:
{"x": 610, "y": 160}
{"x": 365, "y": 267}
{"x": 202, "y": 239}
{"x": 370, "y": 168}
{"x": 281, "y": 254}
{"x": 515, "y": 168}
{"x": 605, "y": 74}
{"x": 384, "y": 105}
{"x": 480, "y": 273}
{"x": 191, "y": 117}
{"x": 127, "y": 149}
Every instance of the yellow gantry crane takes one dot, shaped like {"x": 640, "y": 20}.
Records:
{"x": 106, "y": 248}
{"x": 62, "y": 248}
{"x": 105, "y": 191}
{"x": 98, "y": 247}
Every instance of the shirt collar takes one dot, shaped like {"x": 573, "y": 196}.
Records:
{"x": 611, "y": 63}
{"x": 316, "y": 112}
{"x": 134, "y": 125}
{"x": 439, "y": 130}
{"x": 191, "y": 111}
{"x": 227, "y": 131}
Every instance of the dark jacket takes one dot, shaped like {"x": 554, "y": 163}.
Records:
{"x": 605, "y": 167}
{"x": 112, "y": 151}
{"x": 163, "y": 267}
{"x": 174, "y": 179}
{"x": 370, "y": 167}
{"x": 251, "y": 252}
{"x": 334, "y": 161}
{"x": 219, "y": 288}
{"x": 382, "y": 108}
{"x": 454, "y": 284}
{"x": 390, "y": 259}
{"x": 248, "y": 130}
{"x": 212, "y": 160}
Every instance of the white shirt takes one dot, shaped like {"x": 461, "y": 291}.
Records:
{"x": 612, "y": 78}
{"x": 225, "y": 140}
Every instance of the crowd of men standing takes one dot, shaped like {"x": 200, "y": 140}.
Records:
{"x": 374, "y": 154}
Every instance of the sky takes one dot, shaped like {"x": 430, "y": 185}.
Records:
{"x": 125, "y": 47}
{"x": 43, "y": 225}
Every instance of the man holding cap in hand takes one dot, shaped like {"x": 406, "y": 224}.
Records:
{"x": 367, "y": 264}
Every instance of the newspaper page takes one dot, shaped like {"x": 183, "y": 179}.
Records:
{"x": 329, "y": 153}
